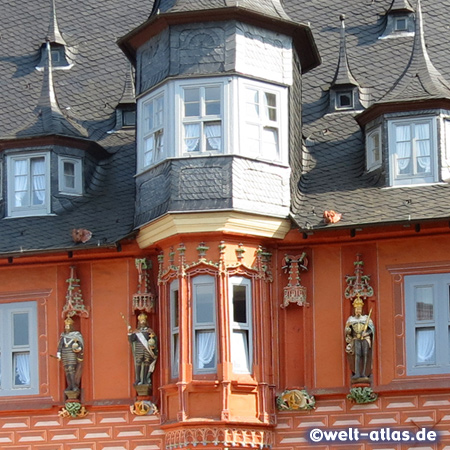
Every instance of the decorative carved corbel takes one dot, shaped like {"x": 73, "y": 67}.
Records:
{"x": 294, "y": 292}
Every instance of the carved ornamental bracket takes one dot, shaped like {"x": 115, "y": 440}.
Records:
{"x": 294, "y": 292}
{"x": 143, "y": 300}
{"x": 74, "y": 305}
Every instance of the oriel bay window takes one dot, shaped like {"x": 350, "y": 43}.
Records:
{"x": 204, "y": 324}
{"x": 18, "y": 349}
{"x": 202, "y": 118}
{"x": 427, "y": 306}
{"x": 241, "y": 329}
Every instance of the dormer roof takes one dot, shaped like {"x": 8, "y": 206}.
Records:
{"x": 400, "y": 6}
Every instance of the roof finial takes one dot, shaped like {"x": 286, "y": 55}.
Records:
{"x": 53, "y": 33}
{"x": 343, "y": 74}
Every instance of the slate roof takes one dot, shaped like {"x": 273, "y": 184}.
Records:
{"x": 333, "y": 175}
{"x": 77, "y": 104}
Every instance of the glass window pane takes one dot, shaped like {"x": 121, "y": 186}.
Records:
{"x": 38, "y": 180}
{"x": 424, "y": 303}
{"x": 21, "y": 366}
{"x": 175, "y": 309}
{"x": 213, "y": 132}
{"x": 204, "y": 303}
{"x": 270, "y": 143}
{"x": 69, "y": 175}
{"x": 239, "y": 304}
{"x": 192, "y": 102}
{"x": 212, "y": 101}
{"x": 206, "y": 349}
{"x": 239, "y": 351}
{"x": 192, "y": 137}
{"x": 176, "y": 354}
{"x": 21, "y": 331}
{"x": 425, "y": 346}
{"x": 252, "y": 99}
{"x": 271, "y": 105}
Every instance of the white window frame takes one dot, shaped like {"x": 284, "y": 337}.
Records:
{"x": 263, "y": 120}
{"x": 203, "y": 119}
{"x": 78, "y": 176}
{"x": 439, "y": 285}
{"x": 28, "y": 210}
{"x": 241, "y": 364}
{"x": 415, "y": 177}
{"x": 341, "y": 93}
{"x": 372, "y": 162}
{"x": 157, "y": 132}
{"x": 174, "y": 329}
{"x": 199, "y": 327}
{"x": 8, "y": 386}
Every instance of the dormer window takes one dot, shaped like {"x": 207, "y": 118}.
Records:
{"x": 70, "y": 176}
{"x": 59, "y": 58}
{"x": 28, "y": 184}
{"x": 412, "y": 151}
{"x": 374, "y": 150}
{"x": 344, "y": 99}
{"x": 401, "y": 23}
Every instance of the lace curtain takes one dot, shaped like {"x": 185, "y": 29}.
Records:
{"x": 20, "y": 182}
{"x": 22, "y": 363}
{"x": 403, "y": 141}
{"x": 423, "y": 148}
{"x": 426, "y": 346}
{"x": 206, "y": 349}
{"x": 38, "y": 174}
{"x": 239, "y": 351}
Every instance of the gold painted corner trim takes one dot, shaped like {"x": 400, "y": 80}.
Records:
{"x": 220, "y": 221}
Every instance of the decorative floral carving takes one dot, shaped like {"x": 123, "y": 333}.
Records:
{"x": 362, "y": 395}
{"x": 358, "y": 284}
{"x": 143, "y": 408}
{"x": 295, "y": 399}
{"x": 73, "y": 409}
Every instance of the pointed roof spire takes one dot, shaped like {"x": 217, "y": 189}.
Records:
{"x": 401, "y": 6}
{"x": 343, "y": 74}
{"x": 128, "y": 95}
{"x": 49, "y": 118}
{"x": 53, "y": 33}
{"x": 420, "y": 80}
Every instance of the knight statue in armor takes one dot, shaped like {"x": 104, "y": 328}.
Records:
{"x": 359, "y": 333}
{"x": 71, "y": 352}
{"x": 144, "y": 344}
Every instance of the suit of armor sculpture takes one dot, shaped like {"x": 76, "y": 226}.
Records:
{"x": 359, "y": 332}
{"x": 71, "y": 352}
{"x": 144, "y": 345}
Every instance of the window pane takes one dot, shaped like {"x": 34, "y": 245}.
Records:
{"x": 424, "y": 303}
{"x": 148, "y": 117}
{"x": 20, "y": 182}
{"x": 239, "y": 304}
{"x": 212, "y": 101}
{"x": 213, "y": 133}
{"x": 21, "y": 369}
{"x": 192, "y": 102}
{"x": 271, "y": 105}
{"x": 270, "y": 142}
{"x": 38, "y": 180}
{"x": 175, "y": 309}
{"x": 204, "y": 302}
{"x": 20, "y": 325}
{"x": 206, "y": 349}
{"x": 252, "y": 109}
{"x": 192, "y": 137}
{"x": 239, "y": 351}
{"x": 149, "y": 144}
{"x": 175, "y": 355}
{"x": 425, "y": 346}
{"x": 69, "y": 175}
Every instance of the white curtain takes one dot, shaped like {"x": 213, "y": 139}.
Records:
{"x": 38, "y": 174}
{"x": 20, "y": 182}
{"x": 239, "y": 351}
{"x": 426, "y": 346}
{"x": 403, "y": 141}
{"x": 191, "y": 137}
{"x": 423, "y": 148}
{"x": 22, "y": 361}
{"x": 148, "y": 152}
{"x": 213, "y": 134}
{"x": 206, "y": 348}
